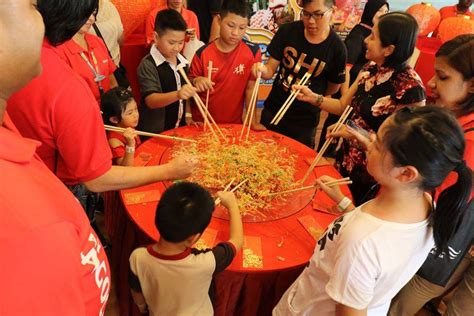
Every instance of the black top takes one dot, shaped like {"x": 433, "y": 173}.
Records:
{"x": 157, "y": 79}
{"x": 204, "y": 10}
{"x": 326, "y": 62}
{"x": 356, "y": 49}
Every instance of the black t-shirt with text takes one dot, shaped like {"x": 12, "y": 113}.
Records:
{"x": 326, "y": 61}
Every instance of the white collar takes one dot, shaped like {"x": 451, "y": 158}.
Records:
{"x": 159, "y": 58}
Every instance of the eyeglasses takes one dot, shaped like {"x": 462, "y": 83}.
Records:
{"x": 315, "y": 15}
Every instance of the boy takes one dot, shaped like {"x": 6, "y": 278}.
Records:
{"x": 232, "y": 59}
{"x": 189, "y": 17}
{"x": 170, "y": 277}
{"x": 161, "y": 86}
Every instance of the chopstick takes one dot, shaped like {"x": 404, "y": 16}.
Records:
{"x": 290, "y": 100}
{"x": 202, "y": 108}
{"x": 218, "y": 200}
{"x": 333, "y": 183}
{"x": 121, "y": 130}
{"x": 328, "y": 141}
{"x": 209, "y": 76}
{"x": 251, "y": 108}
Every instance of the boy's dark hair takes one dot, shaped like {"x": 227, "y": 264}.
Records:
{"x": 430, "y": 139}
{"x": 237, "y": 7}
{"x": 459, "y": 54}
{"x": 327, "y": 3}
{"x": 401, "y": 30}
{"x": 185, "y": 209}
{"x": 114, "y": 102}
{"x": 64, "y": 18}
{"x": 169, "y": 19}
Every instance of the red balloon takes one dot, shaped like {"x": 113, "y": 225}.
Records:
{"x": 454, "y": 26}
{"x": 427, "y": 17}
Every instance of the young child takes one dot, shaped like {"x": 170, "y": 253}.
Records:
{"x": 170, "y": 277}
{"x": 232, "y": 59}
{"x": 161, "y": 86}
{"x": 120, "y": 109}
{"x": 367, "y": 255}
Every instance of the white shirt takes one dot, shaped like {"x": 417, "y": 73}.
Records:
{"x": 182, "y": 62}
{"x": 110, "y": 26}
{"x": 362, "y": 262}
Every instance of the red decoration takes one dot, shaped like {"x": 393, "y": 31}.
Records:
{"x": 454, "y": 26}
{"x": 427, "y": 17}
{"x": 133, "y": 13}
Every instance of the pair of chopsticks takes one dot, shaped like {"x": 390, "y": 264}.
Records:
{"x": 209, "y": 76}
{"x": 251, "y": 108}
{"x": 218, "y": 200}
{"x": 339, "y": 125}
{"x": 121, "y": 130}
{"x": 289, "y": 101}
{"x": 204, "y": 112}
{"x": 332, "y": 183}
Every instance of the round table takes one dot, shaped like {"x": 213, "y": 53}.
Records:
{"x": 285, "y": 244}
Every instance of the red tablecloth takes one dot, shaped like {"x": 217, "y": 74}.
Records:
{"x": 286, "y": 245}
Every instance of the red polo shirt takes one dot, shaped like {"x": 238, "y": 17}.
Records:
{"x": 52, "y": 261}
{"x": 58, "y": 109}
{"x": 189, "y": 17}
{"x": 70, "y": 51}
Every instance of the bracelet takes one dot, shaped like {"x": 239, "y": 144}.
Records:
{"x": 129, "y": 149}
{"x": 344, "y": 203}
{"x": 188, "y": 115}
{"x": 319, "y": 100}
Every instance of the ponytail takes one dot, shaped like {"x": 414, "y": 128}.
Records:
{"x": 451, "y": 206}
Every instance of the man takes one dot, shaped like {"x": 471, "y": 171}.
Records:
{"x": 52, "y": 261}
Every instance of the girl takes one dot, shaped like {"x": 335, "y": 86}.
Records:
{"x": 368, "y": 254}
{"x": 120, "y": 109}
{"x": 453, "y": 88}
{"x": 383, "y": 85}
{"x": 88, "y": 57}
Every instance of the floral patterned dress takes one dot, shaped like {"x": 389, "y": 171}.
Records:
{"x": 381, "y": 91}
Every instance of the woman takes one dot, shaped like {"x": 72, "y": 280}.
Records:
{"x": 89, "y": 58}
{"x": 383, "y": 85}
{"x": 306, "y": 46}
{"x": 453, "y": 88}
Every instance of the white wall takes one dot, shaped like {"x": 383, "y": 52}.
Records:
{"x": 402, "y": 5}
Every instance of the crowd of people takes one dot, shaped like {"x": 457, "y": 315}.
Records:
{"x": 403, "y": 240}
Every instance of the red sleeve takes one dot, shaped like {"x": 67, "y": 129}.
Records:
{"x": 196, "y": 69}
{"x": 118, "y": 152}
{"x": 80, "y": 135}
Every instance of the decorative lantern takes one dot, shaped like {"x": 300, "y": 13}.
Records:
{"x": 132, "y": 13}
{"x": 454, "y": 26}
{"x": 427, "y": 17}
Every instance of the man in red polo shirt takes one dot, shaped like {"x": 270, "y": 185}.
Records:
{"x": 59, "y": 110}
{"x": 189, "y": 17}
{"x": 52, "y": 261}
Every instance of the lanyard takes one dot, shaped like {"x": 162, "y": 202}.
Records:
{"x": 98, "y": 77}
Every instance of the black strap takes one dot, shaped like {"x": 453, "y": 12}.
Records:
{"x": 99, "y": 34}
{"x": 468, "y": 130}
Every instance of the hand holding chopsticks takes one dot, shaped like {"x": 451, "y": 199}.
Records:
{"x": 122, "y": 130}
{"x": 218, "y": 200}
{"x": 316, "y": 185}
{"x": 326, "y": 144}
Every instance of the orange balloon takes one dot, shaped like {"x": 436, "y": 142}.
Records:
{"x": 427, "y": 17}
{"x": 133, "y": 13}
{"x": 454, "y": 26}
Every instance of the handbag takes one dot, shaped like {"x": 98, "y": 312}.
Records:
{"x": 120, "y": 73}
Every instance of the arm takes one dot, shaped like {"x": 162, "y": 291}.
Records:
{"x": 236, "y": 235}
{"x": 159, "y": 100}
{"x": 118, "y": 177}
{"x": 346, "y": 85}
{"x": 343, "y": 310}
{"x": 215, "y": 28}
{"x": 113, "y": 81}
{"x": 267, "y": 70}
{"x": 334, "y": 192}
{"x": 139, "y": 300}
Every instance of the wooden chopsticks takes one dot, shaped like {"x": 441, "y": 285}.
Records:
{"x": 209, "y": 76}
{"x": 251, "y": 108}
{"x": 328, "y": 141}
{"x": 289, "y": 101}
{"x": 342, "y": 181}
{"x": 218, "y": 200}
{"x": 121, "y": 130}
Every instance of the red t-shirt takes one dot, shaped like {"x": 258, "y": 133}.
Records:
{"x": 58, "y": 109}
{"x": 98, "y": 57}
{"x": 189, "y": 17}
{"x": 52, "y": 261}
{"x": 119, "y": 151}
{"x": 466, "y": 122}
{"x": 231, "y": 73}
